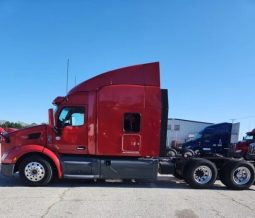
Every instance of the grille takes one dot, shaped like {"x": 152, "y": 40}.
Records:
{"x": 251, "y": 149}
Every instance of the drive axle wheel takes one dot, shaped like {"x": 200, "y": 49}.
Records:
{"x": 171, "y": 153}
{"x": 200, "y": 173}
{"x": 238, "y": 175}
{"x": 35, "y": 171}
{"x": 187, "y": 153}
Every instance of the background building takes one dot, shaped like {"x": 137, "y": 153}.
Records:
{"x": 179, "y": 130}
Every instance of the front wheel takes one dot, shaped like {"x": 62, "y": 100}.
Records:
{"x": 187, "y": 153}
{"x": 171, "y": 153}
{"x": 35, "y": 171}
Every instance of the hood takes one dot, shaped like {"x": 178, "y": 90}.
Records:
{"x": 242, "y": 146}
{"x": 10, "y": 130}
{"x": 191, "y": 144}
{"x": 26, "y": 136}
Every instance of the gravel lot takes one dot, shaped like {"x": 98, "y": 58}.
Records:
{"x": 168, "y": 197}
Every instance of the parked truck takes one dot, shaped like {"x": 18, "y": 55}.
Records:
{"x": 112, "y": 126}
{"x": 246, "y": 147}
{"x": 214, "y": 139}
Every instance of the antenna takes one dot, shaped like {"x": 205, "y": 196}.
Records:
{"x": 233, "y": 120}
{"x": 67, "y": 72}
{"x": 75, "y": 80}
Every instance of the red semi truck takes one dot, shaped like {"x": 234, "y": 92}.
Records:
{"x": 112, "y": 126}
{"x": 246, "y": 147}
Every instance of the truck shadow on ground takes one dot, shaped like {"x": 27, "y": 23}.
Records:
{"x": 163, "y": 182}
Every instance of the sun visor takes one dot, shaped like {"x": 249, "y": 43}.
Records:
{"x": 58, "y": 100}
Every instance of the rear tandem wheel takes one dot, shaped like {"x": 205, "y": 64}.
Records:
{"x": 238, "y": 175}
{"x": 200, "y": 173}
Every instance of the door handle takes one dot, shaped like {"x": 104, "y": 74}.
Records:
{"x": 81, "y": 148}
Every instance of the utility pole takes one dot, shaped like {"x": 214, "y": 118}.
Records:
{"x": 67, "y": 75}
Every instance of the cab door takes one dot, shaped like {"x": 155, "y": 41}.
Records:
{"x": 206, "y": 142}
{"x": 72, "y": 130}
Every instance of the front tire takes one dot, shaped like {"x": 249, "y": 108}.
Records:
{"x": 35, "y": 171}
{"x": 171, "y": 153}
{"x": 188, "y": 153}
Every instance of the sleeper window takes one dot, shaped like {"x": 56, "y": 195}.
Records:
{"x": 177, "y": 127}
{"x": 132, "y": 122}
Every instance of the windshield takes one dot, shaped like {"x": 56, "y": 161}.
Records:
{"x": 197, "y": 136}
{"x": 249, "y": 137}
{"x": 55, "y": 109}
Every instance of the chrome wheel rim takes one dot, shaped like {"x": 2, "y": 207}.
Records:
{"x": 241, "y": 175}
{"x": 203, "y": 174}
{"x": 34, "y": 171}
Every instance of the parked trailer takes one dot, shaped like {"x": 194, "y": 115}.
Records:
{"x": 112, "y": 126}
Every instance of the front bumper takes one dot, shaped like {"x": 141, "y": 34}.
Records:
{"x": 7, "y": 169}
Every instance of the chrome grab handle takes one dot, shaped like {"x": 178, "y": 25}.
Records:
{"x": 81, "y": 148}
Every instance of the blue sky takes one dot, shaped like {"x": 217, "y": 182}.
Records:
{"x": 206, "y": 51}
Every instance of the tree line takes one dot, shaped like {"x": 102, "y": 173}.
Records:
{"x": 15, "y": 125}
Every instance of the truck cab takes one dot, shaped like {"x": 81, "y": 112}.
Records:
{"x": 213, "y": 139}
{"x": 113, "y": 126}
{"x": 110, "y": 126}
{"x": 246, "y": 147}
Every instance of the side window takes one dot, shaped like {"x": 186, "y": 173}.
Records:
{"x": 72, "y": 116}
{"x": 132, "y": 122}
{"x": 177, "y": 127}
{"x": 207, "y": 136}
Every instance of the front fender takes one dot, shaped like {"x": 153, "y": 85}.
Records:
{"x": 13, "y": 155}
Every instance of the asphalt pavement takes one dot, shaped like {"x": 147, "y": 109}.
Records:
{"x": 168, "y": 197}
